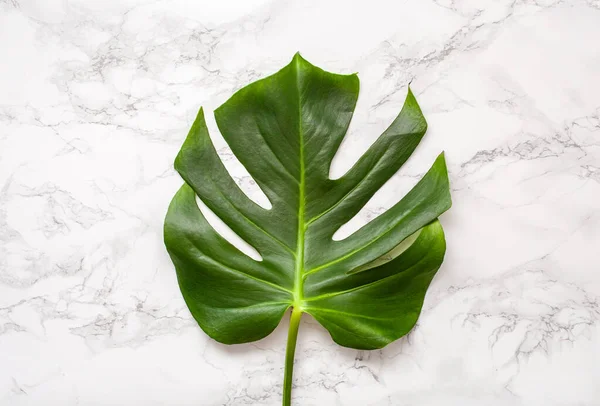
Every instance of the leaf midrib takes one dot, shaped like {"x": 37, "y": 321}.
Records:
{"x": 299, "y": 266}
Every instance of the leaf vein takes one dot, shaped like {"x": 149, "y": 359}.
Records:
{"x": 342, "y": 292}
{"x": 276, "y": 156}
{"x": 356, "y": 250}
{"x": 237, "y": 271}
{"x": 362, "y": 316}
{"x": 343, "y": 198}
{"x": 252, "y": 222}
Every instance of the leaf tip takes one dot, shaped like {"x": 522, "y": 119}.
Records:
{"x": 199, "y": 115}
{"x": 410, "y": 95}
{"x": 192, "y": 140}
{"x": 441, "y": 162}
{"x": 298, "y": 58}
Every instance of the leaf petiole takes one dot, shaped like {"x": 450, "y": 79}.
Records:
{"x": 289, "y": 355}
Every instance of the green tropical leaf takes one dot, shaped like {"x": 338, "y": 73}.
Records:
{"x": 367, "y": 290}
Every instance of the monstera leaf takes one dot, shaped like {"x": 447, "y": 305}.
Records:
{"x": 367, "y": 290}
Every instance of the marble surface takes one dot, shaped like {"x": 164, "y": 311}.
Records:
{"x": 96, "y": 97}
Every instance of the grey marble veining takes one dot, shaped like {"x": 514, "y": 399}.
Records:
{"x": 96, "y": 98}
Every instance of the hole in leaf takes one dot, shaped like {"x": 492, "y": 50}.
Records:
{"x": 375, "y": 111}
{"x": 227, "y": 233}
{"x": 234, "y": 167}
{"x": 354, "y": 144}
{"x": 387, "y": 196}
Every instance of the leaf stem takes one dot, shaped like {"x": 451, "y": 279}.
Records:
{"x": 289, "y": 355}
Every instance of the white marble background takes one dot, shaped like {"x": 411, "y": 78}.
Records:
{"x": 96, "y": 97}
